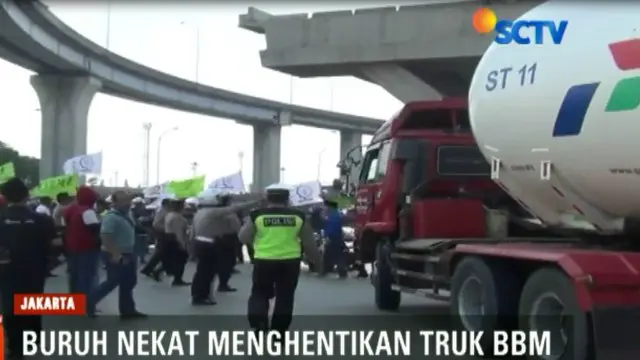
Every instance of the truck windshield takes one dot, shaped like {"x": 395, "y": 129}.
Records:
{"x": 462, "y": 160}
{"x": 375, "y": 163}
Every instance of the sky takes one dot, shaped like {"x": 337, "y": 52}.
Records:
{"x": 165, "y": 37}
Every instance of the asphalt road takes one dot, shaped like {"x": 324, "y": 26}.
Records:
{"x": 321, "y": 304}
{"x": 315, "y": 296}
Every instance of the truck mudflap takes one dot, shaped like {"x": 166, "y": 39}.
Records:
{"x": 616, "y": 333}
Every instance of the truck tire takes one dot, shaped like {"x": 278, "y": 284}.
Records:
{"x": 475, "y": 282}
{"x": 547, "y": 294}
{"x": 386, "y": 298}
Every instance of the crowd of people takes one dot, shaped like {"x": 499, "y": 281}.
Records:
{"x": 114, "y": 233}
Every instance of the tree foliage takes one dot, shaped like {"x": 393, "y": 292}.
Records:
{"x": 27, "y": 167}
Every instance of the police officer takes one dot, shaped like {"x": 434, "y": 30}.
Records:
{"x": 159, "y": 255}
{"x": 215, "y": 226}
{"x": 278, "y": 234}
{"x": 177, "y": 243}
{"x": 25, "y": 242}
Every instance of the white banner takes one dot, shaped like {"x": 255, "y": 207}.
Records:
{"x": 306, "y": 193}
{"x": 155, "y": 191}
{"x": 84, "y": 164}
{"x": 233, "y": 183}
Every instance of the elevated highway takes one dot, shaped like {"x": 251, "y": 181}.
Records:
{"x": 72, "y": 69}
{"x": 417, "y": 52}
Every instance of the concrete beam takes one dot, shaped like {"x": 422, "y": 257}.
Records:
{"x": 266, "y": 155}
{"x": 254, "y": 20}
{"x": 64, "y": 106}
{"x": 400, "y": 83}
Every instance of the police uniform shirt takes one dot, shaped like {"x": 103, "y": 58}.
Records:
{"x": 177, "y": 225}
{"x": 212, "y": 222}
{"x": 269, "y": 220}
{"x": 159, "y": 219}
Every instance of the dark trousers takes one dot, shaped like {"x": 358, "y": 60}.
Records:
{"x": 121, "y": 275}
{"x": 239, "y": 252}
{"x": 269, "y": 274}
{"x": 334, "y": 257}
{"x": 174, "y": 258}
{"x": 83, "y": 270}
{"x": 141, "y": 247}
{"x": 158, "y": 254}
{"x": 226, "y": 249}
{"x": 207, "y": 258}
{"x": 14, "y": 325}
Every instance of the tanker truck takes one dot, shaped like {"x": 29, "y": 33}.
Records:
{"x": 552, "y": 127}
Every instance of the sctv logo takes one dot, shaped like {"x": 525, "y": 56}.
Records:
{"x": 522, "y": 32}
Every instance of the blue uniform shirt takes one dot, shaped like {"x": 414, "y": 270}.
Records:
{"x": 333, "y": 225}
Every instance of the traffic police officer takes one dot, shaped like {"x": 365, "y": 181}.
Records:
{"x": 25, "y": 243}
{"x": 278, "y": 233}
{"x": 213, "y": 224}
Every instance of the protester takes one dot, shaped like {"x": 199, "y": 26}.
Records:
{"x": 278, "y": 233}
{"x": 139, "y": 215}
{"x": 25, "y": 241}
{"x": 118, "y": 237}
{"x": 62, "y": 201}
{"x": 82, "y": 245}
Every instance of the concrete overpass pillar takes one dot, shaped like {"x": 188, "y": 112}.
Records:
{"x": 266, "y": 155}
{"x": 64, "y": 105}
{"x": 351, "y": 149}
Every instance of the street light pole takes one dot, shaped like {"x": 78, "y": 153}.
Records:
{"x": 197, "y": 54}
{"x": 147, "y": 153}
{"x": 108, "y": 40}
{"x": 197, "y": 69}
{"x": 159, "y": 150}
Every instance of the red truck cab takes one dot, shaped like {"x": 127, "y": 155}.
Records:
{"x": 425, "y": 156}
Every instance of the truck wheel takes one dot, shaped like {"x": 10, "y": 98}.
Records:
{"x": 482, "y": 297}
{"x": 549, "y": 302}
{"x": 386, "y": 298}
